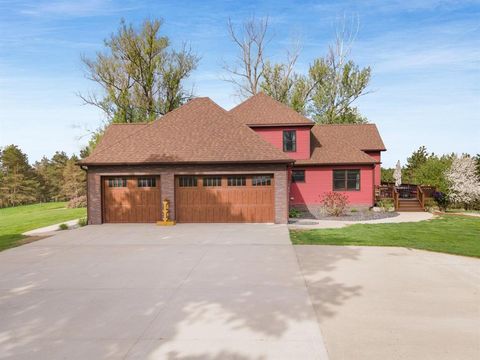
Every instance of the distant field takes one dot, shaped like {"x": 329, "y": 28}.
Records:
{"x": 16, "y": 220}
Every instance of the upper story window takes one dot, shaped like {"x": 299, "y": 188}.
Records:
{"x": 346, "y": 180}
{"x": 212, "y": 181}
{"x": 261, "y": 180}
{"x": 298, "y": 176}
{"x": 117, "y": 182}
{"x": 289, "y": 140}
{"x": 187, "y": 181}
{"x": 236, "y": 181}
{"x": 146, "y": 182}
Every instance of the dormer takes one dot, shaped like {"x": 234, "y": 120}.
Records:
{"x": 276, "y": 123}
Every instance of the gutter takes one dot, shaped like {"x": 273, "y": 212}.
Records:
{"x": 282, "y": 125}
{"x": 84, "y": 166}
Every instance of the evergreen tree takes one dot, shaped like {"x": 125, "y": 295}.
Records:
{"x": 18, "y": 181}
{"x": 74, "y": 180}
{"x": 418, "y": 158}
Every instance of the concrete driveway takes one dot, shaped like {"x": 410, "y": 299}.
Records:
{"x": 146, "y": 292}
{"x": 377, "y": 303}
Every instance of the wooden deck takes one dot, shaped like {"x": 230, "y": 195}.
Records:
{"x": 406, "y": 197}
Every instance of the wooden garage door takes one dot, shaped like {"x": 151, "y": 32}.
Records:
{"x": 131, "y": 199}
{"x": 235, "y": 198}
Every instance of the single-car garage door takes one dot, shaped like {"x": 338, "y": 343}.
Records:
{"x": 134, "y": 199}
{"x": 231, "y": 198}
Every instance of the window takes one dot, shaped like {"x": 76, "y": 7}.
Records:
{"x": 262, "y": 180}
{"x": 289, "y": 140}
{"x": 346, "y": 180}
{"x": 237, "y": 181}
{"x": 298, "y": 176}
{"x": 212, "y": 181}
{"x": 117, "y": 182}
{"x": 187, "y": 181}
{"x": 146, "y": 182}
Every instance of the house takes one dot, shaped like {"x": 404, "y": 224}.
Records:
{"x": 249, "y": 164}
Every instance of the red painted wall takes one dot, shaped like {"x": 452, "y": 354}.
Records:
{"x": 377, "y": 156}
{"x": 274, "y": 135}
{"x": 319, "y": 179}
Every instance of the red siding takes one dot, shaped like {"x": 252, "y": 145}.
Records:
{"x": 377, "y": 156}
{"x": 274, "y": 135}
{"x": 319, "y": 179}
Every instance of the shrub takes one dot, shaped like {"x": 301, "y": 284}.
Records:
{"x": 294, "y": 213}
{"x": 334, "y": 203}
{"x": 77, "y": 202}
{"x": 63, "y": 227}
{"x": 83, "y": 221}
{"x": 354, "y": 210}
{"x": 430, "y": 204}
{"x": 441, "y": 199}
{"x": 385, "y": 204}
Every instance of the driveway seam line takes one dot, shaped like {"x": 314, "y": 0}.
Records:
{"x": 323, "y": 345}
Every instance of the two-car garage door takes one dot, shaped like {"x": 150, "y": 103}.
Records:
{"x": 227, "y": 198}
{"x": 202, "y": 198}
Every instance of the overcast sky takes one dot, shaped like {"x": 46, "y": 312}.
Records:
{"x": 425, "y": 59}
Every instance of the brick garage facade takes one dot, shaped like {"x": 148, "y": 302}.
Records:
{"x": 167, "y": 175}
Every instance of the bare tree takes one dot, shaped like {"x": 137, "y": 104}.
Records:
{"x": 248, "y": 69}
{"x": 281, "y": 82}
{"x": 336, "y": 81}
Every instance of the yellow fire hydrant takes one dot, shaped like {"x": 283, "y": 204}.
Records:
{"x": 166, "y": 214}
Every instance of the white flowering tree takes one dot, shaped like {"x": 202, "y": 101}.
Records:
{"x": 464, "y": 182}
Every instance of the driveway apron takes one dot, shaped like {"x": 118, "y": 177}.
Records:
{"x": 134, "y": 291}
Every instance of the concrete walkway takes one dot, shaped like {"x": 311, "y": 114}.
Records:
{"x": 466, "y": 214}
{"x": 51, "y": 229}
{"x": 210, "y": 291}
{"x": 331, "y": 224}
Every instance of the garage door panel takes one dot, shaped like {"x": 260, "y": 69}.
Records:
{"x": 131, "y": 203}
{"x": 225, "y": 203}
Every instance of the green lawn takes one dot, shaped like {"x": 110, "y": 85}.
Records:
{"x": 450, "y": 234}
{"x": 16, "y": 220}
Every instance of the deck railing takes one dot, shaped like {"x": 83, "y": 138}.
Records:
{"x": 404, "y": 191}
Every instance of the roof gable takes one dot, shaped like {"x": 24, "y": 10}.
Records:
{"x": 262, "y": 109}
{"x": 343, "y": 144}
{"x": 199, "y": 131}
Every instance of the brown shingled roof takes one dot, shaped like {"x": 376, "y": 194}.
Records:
{"x": 262, "y": 109}
{"x": 362, "y": 136}
{"x": 117, "y": 132}
{"x": 342, "y": 144}
{"x": 199, "y": 131}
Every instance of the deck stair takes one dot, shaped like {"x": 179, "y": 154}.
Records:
{"x": 409, "y": 205}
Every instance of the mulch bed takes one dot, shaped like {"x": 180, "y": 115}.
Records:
{"x": 351, "y": 216}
